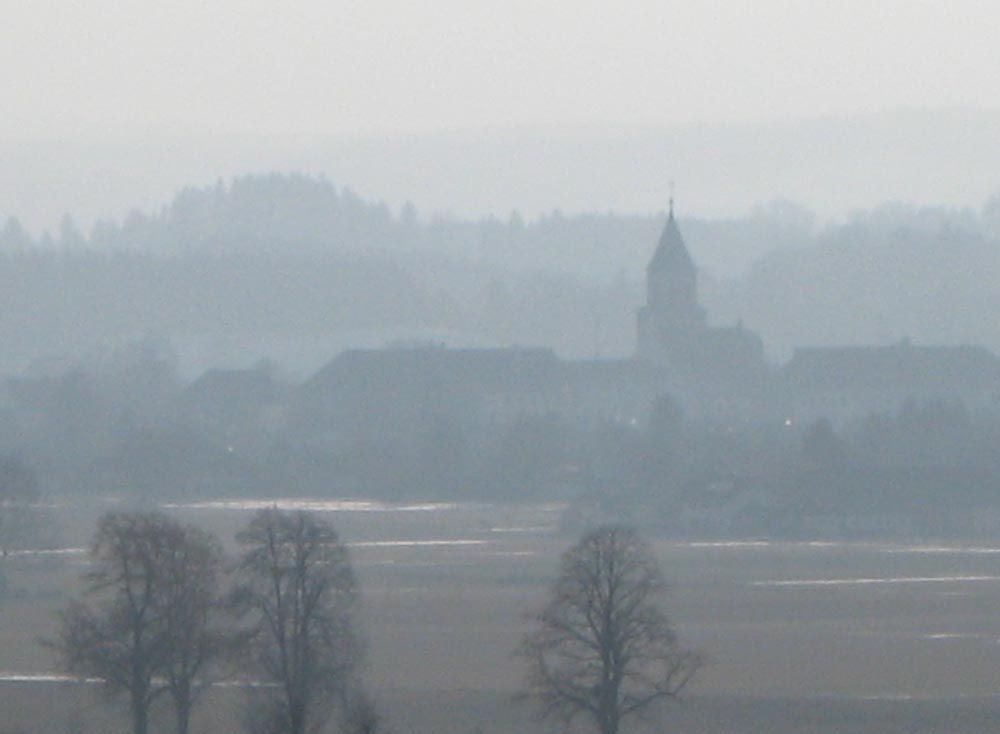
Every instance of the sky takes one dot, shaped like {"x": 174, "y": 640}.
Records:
{"x": 72, "y": 69}
{"x": 476, "y": 107}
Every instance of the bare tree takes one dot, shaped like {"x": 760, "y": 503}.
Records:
{"x": 188, "y": 599}
{"x": 298, "y": 591}
{"x": 119, "y": 638}
{"x": 602, "y": 647}
{"x": 145, "y": 628}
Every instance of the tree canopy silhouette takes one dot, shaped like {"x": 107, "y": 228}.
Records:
{"x": 602, "y": 647}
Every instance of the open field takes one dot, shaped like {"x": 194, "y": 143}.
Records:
{"x": 59, "y": 709}
{"x": 803, "y": 637}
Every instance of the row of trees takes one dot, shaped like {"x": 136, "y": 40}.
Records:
{"x": 153, "y": 622}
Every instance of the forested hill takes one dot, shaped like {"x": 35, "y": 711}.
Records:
{"x": 263, "y": 265}
{"x": 297, "y": 215}
{"x": 889, "y": 274}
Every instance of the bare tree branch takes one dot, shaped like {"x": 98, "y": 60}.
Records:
{"x": 145, "y": 628}
{"x": 297, "y": 593}
{"x": 602, "y": 647}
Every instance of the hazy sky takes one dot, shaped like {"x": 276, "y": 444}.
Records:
{"x": 73, "y": 67}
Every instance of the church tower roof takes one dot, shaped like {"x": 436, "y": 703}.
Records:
{"x": 671, "y": 253}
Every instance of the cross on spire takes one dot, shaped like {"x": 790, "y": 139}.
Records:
{"x": 671, "y": 199}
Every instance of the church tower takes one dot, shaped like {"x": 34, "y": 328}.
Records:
{"x": 671, "y": 317}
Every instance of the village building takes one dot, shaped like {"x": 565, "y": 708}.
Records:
{"x": 716, "y": 374}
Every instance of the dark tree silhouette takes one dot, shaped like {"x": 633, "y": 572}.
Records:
{"x": 188, "y": 599}
{"x": 602, "y": 647}
{"x": 146, "y": 628}
{"x": 298, "y": 591}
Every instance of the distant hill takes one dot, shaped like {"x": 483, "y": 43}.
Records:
{"x": 294, "y": 267}
{"x": 832, "y": 166}
{"x": 893, "y": 273}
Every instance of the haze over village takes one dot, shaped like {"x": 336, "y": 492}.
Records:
{"x": 499, "y": 368}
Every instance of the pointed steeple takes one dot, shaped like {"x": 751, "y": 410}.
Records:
{"x": 672, "y": 282}
{"x": 671, "y": 252}
{"x": 672, "y": 330}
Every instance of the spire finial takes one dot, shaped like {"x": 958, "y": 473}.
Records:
{"x": 671, "y": 199}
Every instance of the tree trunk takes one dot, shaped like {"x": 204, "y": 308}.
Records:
{"x": 182, "y": 709}
{"x": 608, "y": 712}
{"x": 609, "y": 724}
{"x": 140, "y": 717}
{"x": 297, "y": 720}
{"x": 180, "y": 692}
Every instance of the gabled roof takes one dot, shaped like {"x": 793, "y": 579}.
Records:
{"x": 490, "y": 368}
{"x": 897, "y": 365}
